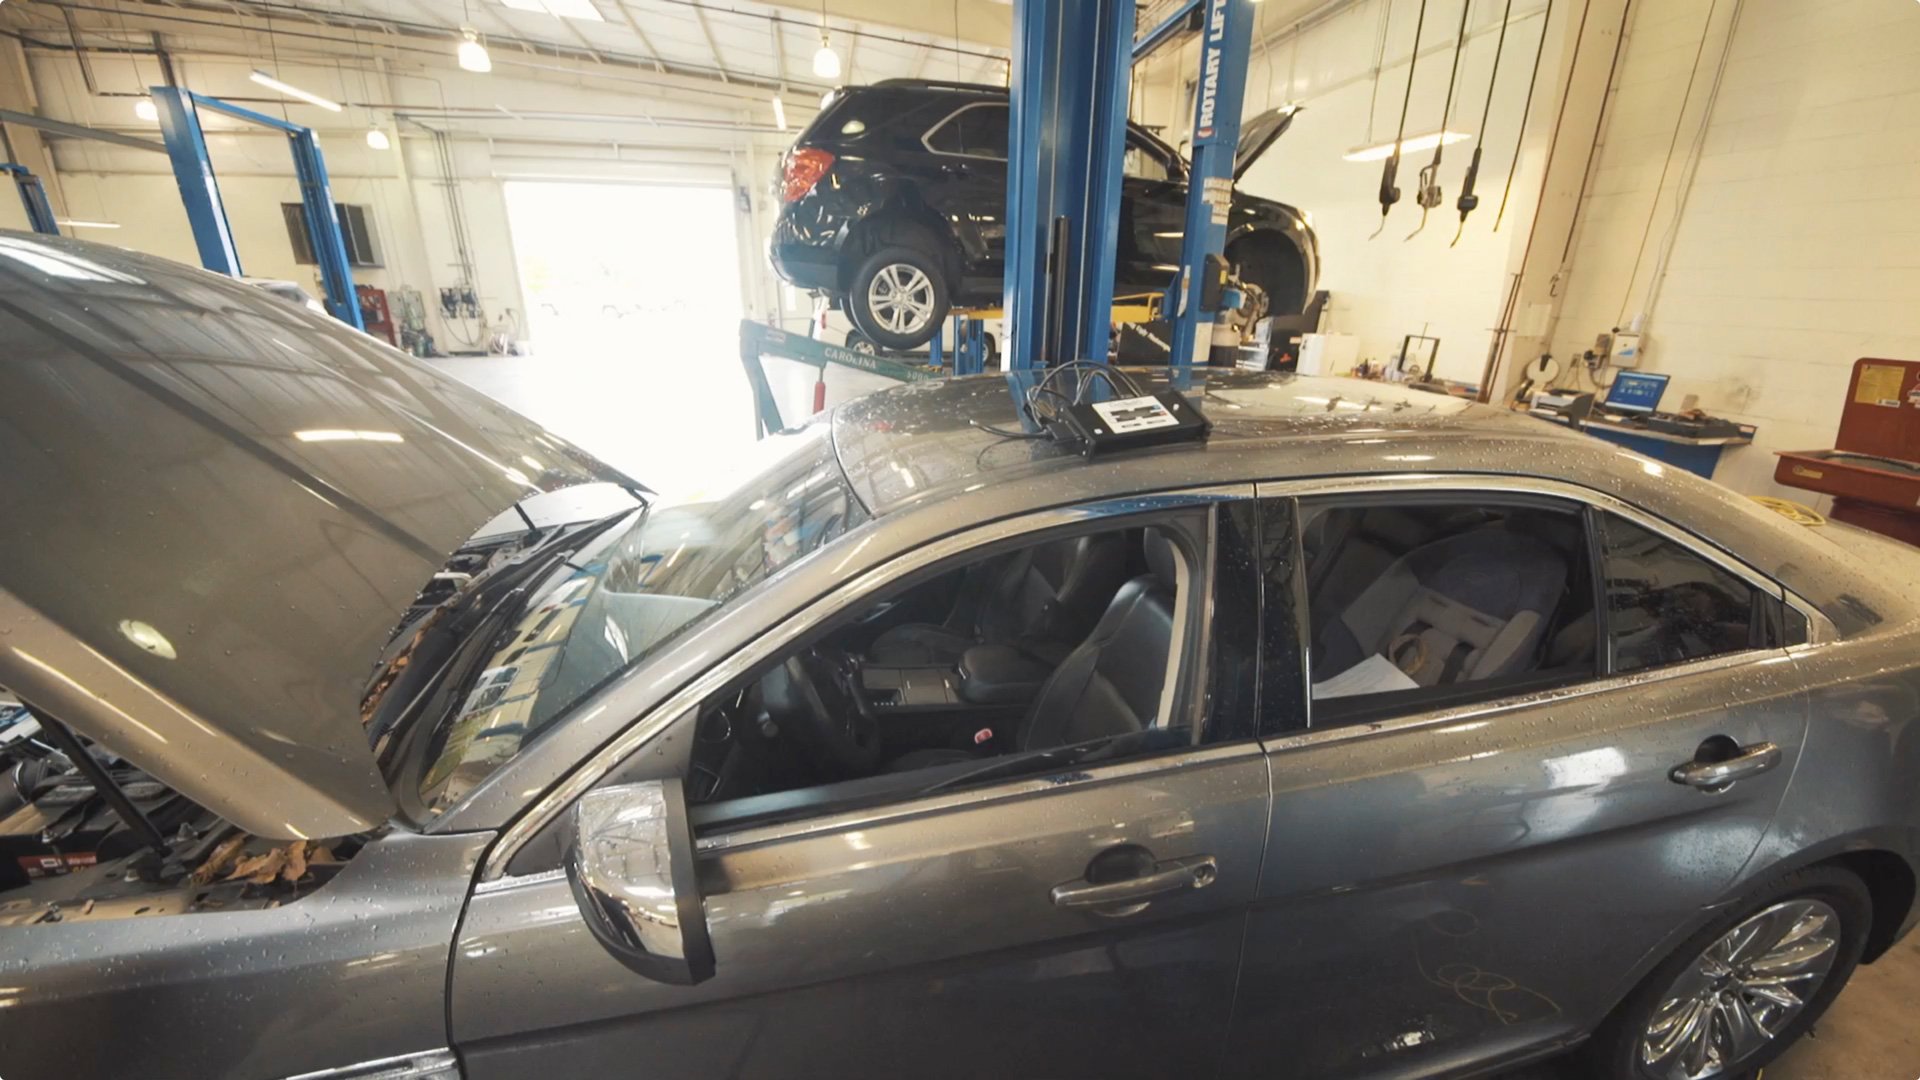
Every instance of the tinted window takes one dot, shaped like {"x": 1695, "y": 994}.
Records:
{"x": 979, "y": 131}
{"x": 1666, "y": 604}
{"x": 1142, "y": 162}
{"x": 1429, "y": 603}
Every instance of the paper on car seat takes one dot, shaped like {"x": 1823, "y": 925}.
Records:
{"x": 1374, "y": 675}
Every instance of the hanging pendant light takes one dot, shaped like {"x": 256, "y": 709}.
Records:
{"x": 473, "y": 55}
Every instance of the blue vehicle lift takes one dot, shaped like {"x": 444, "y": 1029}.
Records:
{"x": 34, "y": 197}
{"x": 1072, "y": 72}
{"x": 192, "y": 168}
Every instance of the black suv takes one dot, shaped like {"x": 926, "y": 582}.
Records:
{"x": 895, "y": 206}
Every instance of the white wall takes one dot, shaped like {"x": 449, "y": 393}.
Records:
{"x": 1386, "y": 287}
{"x": 1797, "y": 246}
{"x": 137, "y": 190}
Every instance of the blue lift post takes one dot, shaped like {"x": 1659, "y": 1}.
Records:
{"x": 34, "y": 197}
{"x": 187, "y": 147}
{"x": 1072, "y": 70}
{"x": 1226, "y": 38}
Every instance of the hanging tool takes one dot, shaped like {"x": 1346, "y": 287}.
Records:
{"x": 1429, "y": 194}
{"x": 1468, "y": 200}
{"x": 1546, "y": 20}
{"x": 1389, "y": 191}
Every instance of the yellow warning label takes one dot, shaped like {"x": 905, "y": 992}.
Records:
{"x": 1879, "y": 385}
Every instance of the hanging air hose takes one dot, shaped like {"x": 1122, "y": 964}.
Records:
{"x": 1428, "y": 195}
{"x": 1389, "y": 191}
{"x": 1513, "y": 166}
{"x": 1468, "y": 201}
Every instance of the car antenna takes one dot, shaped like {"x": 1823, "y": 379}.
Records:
{"x": 1513, "y": 166}
{"x": 1428, "y": 195}
{"x": 1389, "y": 192}
{"x": 1468, "y": 201}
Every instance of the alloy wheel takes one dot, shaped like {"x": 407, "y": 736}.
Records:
{"x": 1740, "y": 993}
{"x": 901, "y": 298}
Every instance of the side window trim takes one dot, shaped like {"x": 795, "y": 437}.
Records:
{"x": 691, "y": 694}
{"x": 926, "y": 137}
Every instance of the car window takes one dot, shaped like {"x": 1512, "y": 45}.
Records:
{"x": 620, "y": 601}
{"x": 1427, "y": 602}
{"x": 1666, "y": 604}
{"x": 1143, "y": 162}
{"x": 976, "y": 131}
{"x": 1069, "y": 651}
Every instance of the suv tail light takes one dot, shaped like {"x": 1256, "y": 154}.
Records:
{"x": 805, "y": 166}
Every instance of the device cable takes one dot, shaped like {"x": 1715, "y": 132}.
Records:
{"x": 1513, "y": 165}
{"x": 1390, "y": 192}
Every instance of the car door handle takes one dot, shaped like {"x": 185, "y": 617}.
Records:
{"x": 1717, "y": 775}
{"x": 1171, "y": 876}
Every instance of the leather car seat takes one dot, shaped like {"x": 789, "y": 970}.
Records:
{"x": 1111, "y": 683}
{"x": 1040, "y": 600}
{"x": 1470, "y": 606}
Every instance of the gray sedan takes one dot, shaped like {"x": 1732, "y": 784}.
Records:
{"x": 1376, "y": 734}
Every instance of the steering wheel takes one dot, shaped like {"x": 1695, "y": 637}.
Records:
{"x": 805, "y": 697}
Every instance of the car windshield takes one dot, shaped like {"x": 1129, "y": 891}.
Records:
{"x": 625, "y": 595}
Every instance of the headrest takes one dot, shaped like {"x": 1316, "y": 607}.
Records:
{"x": 1162, "y": 559}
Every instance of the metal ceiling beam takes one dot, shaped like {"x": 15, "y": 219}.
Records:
{"x": 582, "y": 38}
{"x": 646, "y": 43}
{"x": 777, "y": 29}
{"x": 78, "y": 131}
{"x": 700, "y": 16}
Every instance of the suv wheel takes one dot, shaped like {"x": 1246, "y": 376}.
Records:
{"x": 898, "y": 297}
{"x": 1740, "y": 992}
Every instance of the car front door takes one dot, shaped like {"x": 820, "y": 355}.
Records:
{"x": 1153, "y": 208}
{"x": 1462, "y": 873}
{"x": 935, "y": 934}
{"x": 965, "y": 185}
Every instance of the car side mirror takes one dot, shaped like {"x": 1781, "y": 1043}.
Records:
{"x": 629, "y": 860}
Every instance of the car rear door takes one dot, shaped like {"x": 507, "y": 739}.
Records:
{"x": 1454, "y": 883}
{"x": 927, "y": 936}
{"x": 965, "y": 184}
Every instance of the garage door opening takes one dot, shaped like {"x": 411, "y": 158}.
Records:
{"x": 633, "y": 307}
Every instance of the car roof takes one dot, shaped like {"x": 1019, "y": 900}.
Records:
{"x": 923, "y": 441}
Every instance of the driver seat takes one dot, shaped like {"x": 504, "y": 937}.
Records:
{"x": 1111, "y": 683}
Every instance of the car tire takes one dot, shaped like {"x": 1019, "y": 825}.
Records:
{"x": 898, "y": 297}
{"x": 855, "y": 341}
{"x": 1270, "y": 262}
{"x": 1696, "y": 989}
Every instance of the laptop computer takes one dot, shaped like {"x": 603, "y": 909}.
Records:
{"x": 1636, "y": 393}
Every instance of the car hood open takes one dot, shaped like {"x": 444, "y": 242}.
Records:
{"x": 1260, "y": 133}
{"x": 217, "y": 508}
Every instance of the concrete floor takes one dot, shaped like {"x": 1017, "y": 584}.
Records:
{"x": 672, "y": 412}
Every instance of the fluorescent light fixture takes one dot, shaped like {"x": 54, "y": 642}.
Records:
{"x": 473, "y": 55}
{"x": 146, "y": 110}
{"x": 341, "y": 435}
{"x": 779, "y": 112}
{"x": 307, "y": 96}
{"x": 90, "y": 224}
{"x": 826, "y": 62}
{"x": 1413, "y": 145}
{"x": 567, "y": 9}
{"x": 377, "y": 139}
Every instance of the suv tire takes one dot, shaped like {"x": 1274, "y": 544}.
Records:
{"x": 1819, "y": 906}
{"x": 898, "y": 298}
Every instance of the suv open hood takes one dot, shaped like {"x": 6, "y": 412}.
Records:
{"x": 217, "y": 507}
{"x": 1259, "y": 133}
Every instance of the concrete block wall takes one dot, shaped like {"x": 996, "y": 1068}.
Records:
{"x": 1795, "y": 250}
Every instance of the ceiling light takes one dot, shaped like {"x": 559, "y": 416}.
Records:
{"x": 473, "y": 55}
{"x": 779, "y": 112}
{"x": 1382, "y": 151}
{"x": 570, "y": 9}
{"x": 377, "y": 139}
{"x": 307, "y": 96}
{"x": 826, "y": 99}
{"x": 826, "y": 62}
{"x": 146, "y": 110}
{"x": 89, "y": 224}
